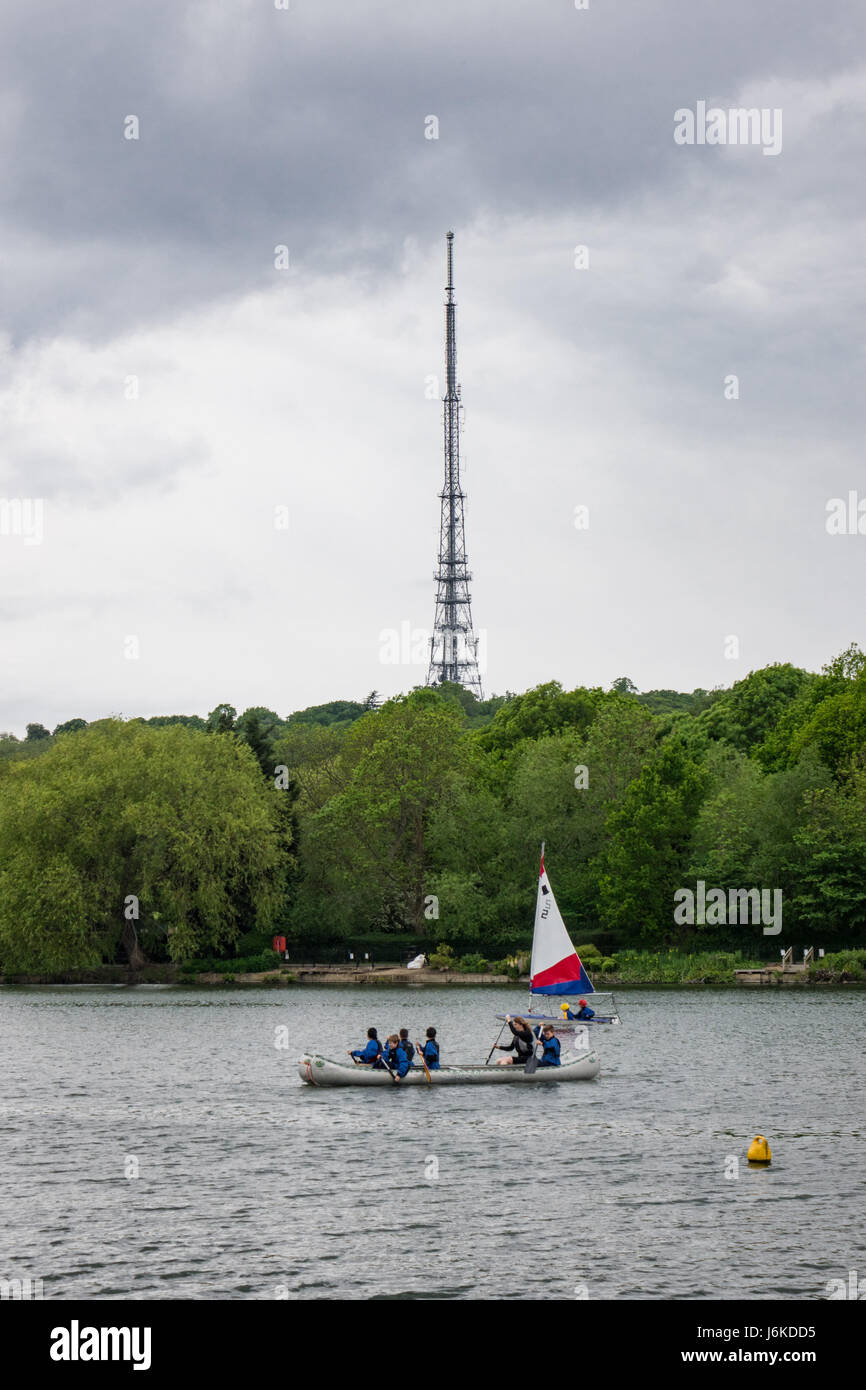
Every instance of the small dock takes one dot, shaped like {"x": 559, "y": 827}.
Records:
{"x": 787, "y": 972}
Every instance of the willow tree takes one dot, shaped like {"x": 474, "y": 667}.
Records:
{"x": 125, "y": 833}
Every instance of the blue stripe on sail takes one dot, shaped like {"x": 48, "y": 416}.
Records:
{"x": 581, "y": 986}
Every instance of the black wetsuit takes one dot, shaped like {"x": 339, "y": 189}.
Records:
{"x": 522, "y": 1044}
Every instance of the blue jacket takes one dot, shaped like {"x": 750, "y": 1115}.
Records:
{"x": 370, "y": 1052}
{"x": 585, "y": 1012}
{"x": 431, "y": 1054}
{"x": 550, "y": 1057}
{"x": 397, "y": 1060}
{"x": 408, "y": 1048}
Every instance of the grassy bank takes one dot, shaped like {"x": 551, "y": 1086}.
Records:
{"x": 629, "y": 969}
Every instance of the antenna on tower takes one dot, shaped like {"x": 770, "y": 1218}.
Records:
{"x": 453, "y": 646}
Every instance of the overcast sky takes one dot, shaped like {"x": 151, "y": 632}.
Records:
{"x": 265, "y": 511}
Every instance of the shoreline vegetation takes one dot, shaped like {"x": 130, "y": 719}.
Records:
{"x": 635, "y": 970}
{"x": 388, "y": 829}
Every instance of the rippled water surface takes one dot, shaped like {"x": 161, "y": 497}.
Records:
{"x": 251, "y": 1184}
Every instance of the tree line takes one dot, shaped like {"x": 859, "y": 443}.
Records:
{"x": 184, "y": 836}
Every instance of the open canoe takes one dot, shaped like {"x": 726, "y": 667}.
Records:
{"x": 321, "y": 1071}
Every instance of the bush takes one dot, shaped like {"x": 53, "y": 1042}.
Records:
{"x": 677, "y": 967}
{"x": 473, "y": 965}
{"x": 268, "y": 960}
{"x": 255, "y": 943}
{"x": 509, "y": 965}
{"x": 442, "y": 958}
{"x": 589, "y": 954}
{"x": 839, "y": 965}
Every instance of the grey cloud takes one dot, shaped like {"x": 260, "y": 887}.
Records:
{"x": 260, "y": 127}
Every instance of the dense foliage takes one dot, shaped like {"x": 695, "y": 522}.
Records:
{"x": 420, "y": 818}
{"x": 160, "y": 840}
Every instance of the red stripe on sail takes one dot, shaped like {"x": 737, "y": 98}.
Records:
{"x": 559, "y": 974}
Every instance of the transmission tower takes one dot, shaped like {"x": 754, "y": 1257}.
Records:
{"x": 453, "y": 646}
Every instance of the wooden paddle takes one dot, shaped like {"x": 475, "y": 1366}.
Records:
{"x": 420, "y": 1051}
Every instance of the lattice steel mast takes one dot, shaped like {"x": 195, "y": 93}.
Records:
{"x": 453, "y": 646}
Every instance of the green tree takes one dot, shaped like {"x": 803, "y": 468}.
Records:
{"x": 649, "y": 849}
{"x": 746, "y": 715}
{"x": 70, "y": 727}
{"x": 176, "y": 818}
{"x": 366, "y": 850}
{"x": 165, "y": 721}
{"x": 828, "y": 888}
{"x": 221, "y": 720}
{"x": 563, "y": 789}
{"x": 547, "y": 709}
{"x": 836, "y": 729}
{"x": 727, "y": 828}
{"x": 341, "y": 713}
{"x": 258, "y": 727}
{"x": 36, "y": 731}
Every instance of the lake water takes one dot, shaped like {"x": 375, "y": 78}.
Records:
{"x": 251, "y": 1185}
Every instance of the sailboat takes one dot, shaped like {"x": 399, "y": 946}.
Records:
{"x": 556, "y": 972}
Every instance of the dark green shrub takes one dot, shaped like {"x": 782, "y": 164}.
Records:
{"x": 442, "y": 958}
{"x": 472, "y": 965}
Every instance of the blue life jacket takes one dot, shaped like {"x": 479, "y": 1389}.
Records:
{"x": 370, "y": 1052}
{"x": 397, "y": 1060}
{"x": 431, "y": 1054}
{"x": 408, "y": 1048}
{"x": 550, "y": 1057}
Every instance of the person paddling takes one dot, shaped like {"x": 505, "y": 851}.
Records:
{"x": 430, "y": 1050}
{"x": 522, "y": 1043}
{"x": 395, "y": 1056}
{"x": 550, "y": 1056}
{"x": 372, "y": 1052}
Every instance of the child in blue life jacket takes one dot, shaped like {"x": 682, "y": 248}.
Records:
{"x": 372, "y": 1052}
{"x": 583, "y": 1012}
{"x": 550, "y": 1056}
{"x": 395, "y": 1055}
{"x": 430, "y": 1050}
{"x": 406, "y": 1045}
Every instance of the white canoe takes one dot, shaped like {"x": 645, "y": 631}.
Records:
{"x": 321, "y": 1071}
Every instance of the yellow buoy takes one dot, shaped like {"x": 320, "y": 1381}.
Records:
{"x": 759, "y": 1150}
